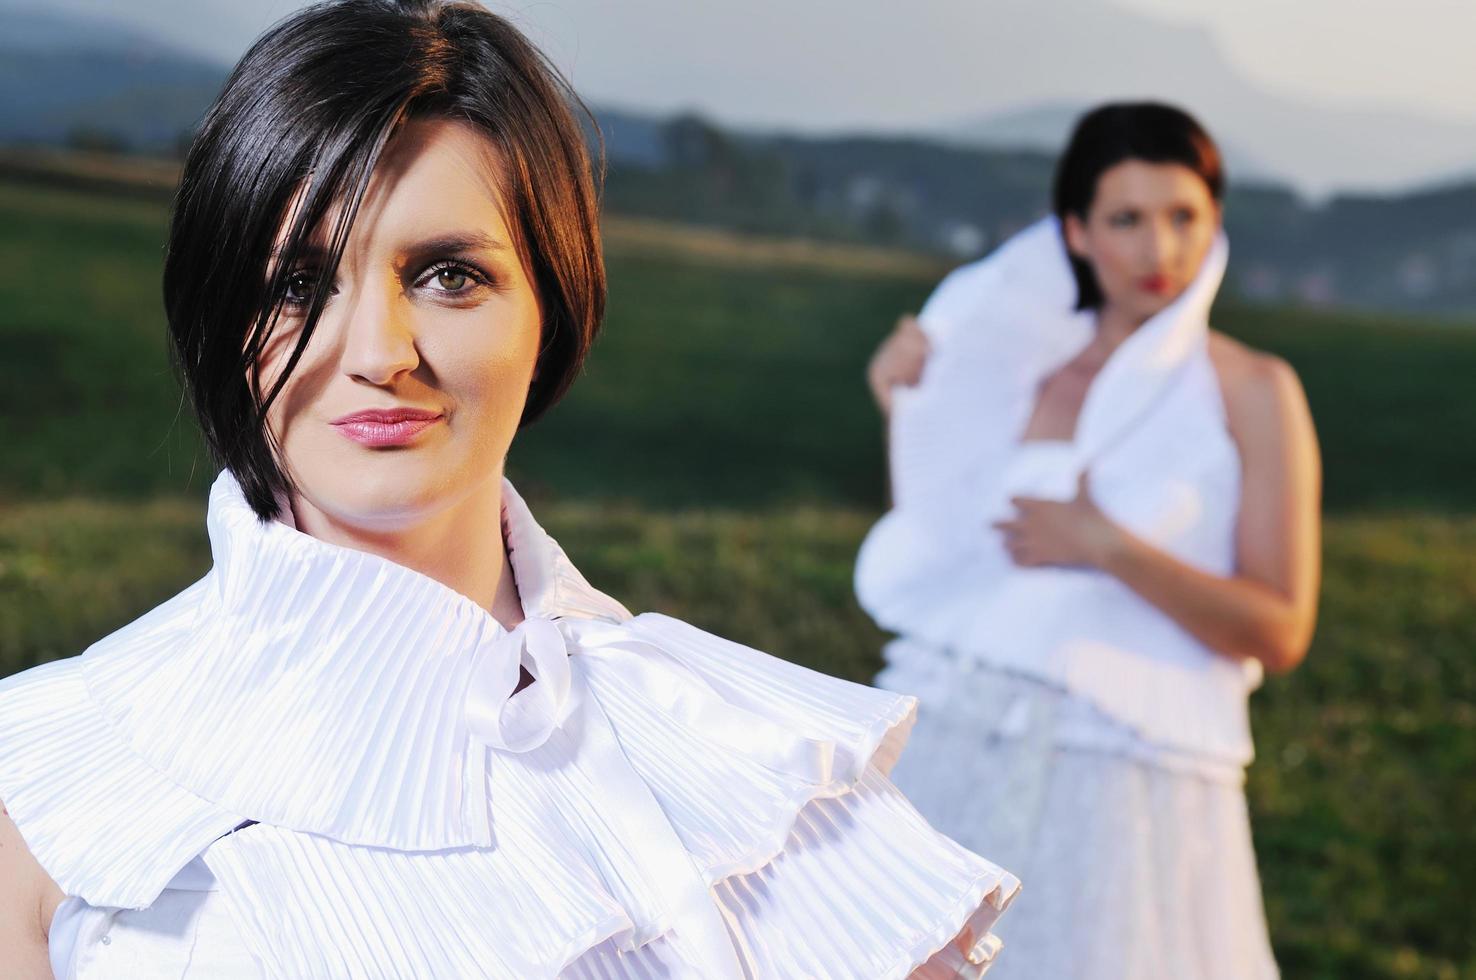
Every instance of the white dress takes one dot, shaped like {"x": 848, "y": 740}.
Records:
{"x": 312, "y": 763}
{"x": 1138, "y": 857}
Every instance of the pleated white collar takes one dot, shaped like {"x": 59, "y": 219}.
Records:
{"x": 549, "y": 586}
{"x": 323, "y": 688}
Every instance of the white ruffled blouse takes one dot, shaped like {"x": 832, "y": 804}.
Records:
{"x": 329, "y": 743}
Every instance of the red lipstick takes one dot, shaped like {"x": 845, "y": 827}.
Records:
{"x": 1159, "y": 285}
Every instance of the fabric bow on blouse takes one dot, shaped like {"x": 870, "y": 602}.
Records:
{"x": 519, "y": 722}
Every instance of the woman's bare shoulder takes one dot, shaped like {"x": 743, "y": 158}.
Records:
{"x": 1238, "y": 362}
{"x": 1260, "y": 389}
{"x": 28, "y": 900}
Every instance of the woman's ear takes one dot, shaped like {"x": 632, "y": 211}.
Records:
{"x": 1075, "y": 232}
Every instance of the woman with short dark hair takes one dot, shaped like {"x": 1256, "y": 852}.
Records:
{"x": 393, "y": 732}
{"x": 1105, "y": 529}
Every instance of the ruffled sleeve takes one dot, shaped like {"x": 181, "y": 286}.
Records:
{"x": 105, "y": 825}
{"x": 819, "y": 872}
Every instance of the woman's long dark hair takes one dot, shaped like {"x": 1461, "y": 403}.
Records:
{"x": 304, "y": 117}
{"x": 1119, "y": 131}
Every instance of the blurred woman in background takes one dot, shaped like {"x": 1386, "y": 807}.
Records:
{"x": 1105, "y": 529}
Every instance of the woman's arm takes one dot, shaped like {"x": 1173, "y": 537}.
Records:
{"x": 1268, "y": 609}
{"x": 28, "y": 897}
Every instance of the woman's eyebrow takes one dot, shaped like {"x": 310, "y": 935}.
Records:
{"x": 469, "y": 241}
{"x": 308, "y": 250}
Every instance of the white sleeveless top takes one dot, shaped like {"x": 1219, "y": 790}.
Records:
{"x": 1153, "y": 437}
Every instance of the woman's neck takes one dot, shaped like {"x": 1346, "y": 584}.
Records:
{"x": 1115, "y": 325}
{"x": 460, "y": 546}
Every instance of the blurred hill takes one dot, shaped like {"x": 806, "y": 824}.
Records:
{"x": 88, "y": 85}
{"x": 95, "y": 83}
{"x": 1046, "y": 127}
{"x": 1320, "y": 147}
{"x": 1413, "y": 251}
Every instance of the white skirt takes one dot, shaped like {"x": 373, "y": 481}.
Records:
{"x": 1135, "y": 863}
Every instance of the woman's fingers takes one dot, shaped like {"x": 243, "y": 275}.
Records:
{"x": 898, "y": 361}
{"x": 1083, "y": 486}
{"x": 911, "y": 353}
{"x": 1016, "y": 544}
{"x": 881, "y": 388}
{"x": 1029, "y": 505}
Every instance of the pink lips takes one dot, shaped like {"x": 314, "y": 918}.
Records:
{"x": 386, "y": 426}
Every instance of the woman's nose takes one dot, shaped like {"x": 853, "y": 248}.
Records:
{"x": 379, "y": 341}
{"x": 1161, "y": 244}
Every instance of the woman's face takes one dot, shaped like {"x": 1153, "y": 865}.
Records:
{"x": 432, "y": 316}
{"x": 1147, "y": 232}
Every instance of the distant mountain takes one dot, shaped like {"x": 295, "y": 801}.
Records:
{"x": 804, "y": 68}
{"x": 1042, "y": 127}
{"x": 75, "y": 81}
{"x": 31, "y": 28}
{"x": 85, "y": 81}
{"x": 633, "y": 138}
{"x": 1321, "y": 149}
{"x": 1414, "y": 251}
{"x": 1047, "y": 128}
{"x": 957, "y": 71}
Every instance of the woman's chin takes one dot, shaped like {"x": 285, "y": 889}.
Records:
{"x": 381, "y": 494}
{"x": 1148, "y": 307}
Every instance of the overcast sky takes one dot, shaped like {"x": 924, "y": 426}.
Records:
{"x": 1411, "y": 55}
{"x": 1414, "y": 55}
{"x": 882, "y": 65}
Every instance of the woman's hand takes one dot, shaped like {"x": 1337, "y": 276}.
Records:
{"x": 898, "y": 361}
{"x": 1056, "y": 532}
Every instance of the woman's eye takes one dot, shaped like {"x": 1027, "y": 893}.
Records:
{"x": 1183, "y": 217}
{"x": 298, "y": 288}
{"x": 452, "y": 280}
{"x": 1124, "y": 219}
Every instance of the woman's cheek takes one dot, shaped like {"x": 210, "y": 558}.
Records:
{"x": 497, "y": 381}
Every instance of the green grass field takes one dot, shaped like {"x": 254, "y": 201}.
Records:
{"x": 720, "y": 461}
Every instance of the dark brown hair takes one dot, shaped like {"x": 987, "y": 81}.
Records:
{"x": 308, "y": 110}
{"x": 1119, "y": 131}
